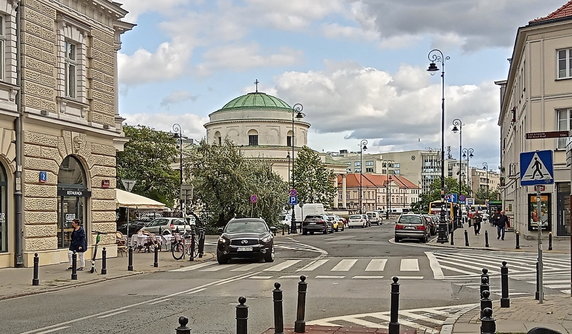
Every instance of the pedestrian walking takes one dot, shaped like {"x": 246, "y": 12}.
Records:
{"x": 78, "y": 244}
{"x": 502, "y": 223}
{"x": 495, "y": 218}
{"x": 477, "y": 220}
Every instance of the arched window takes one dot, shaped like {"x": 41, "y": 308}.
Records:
{"x": 3, "y": 211}
{"x": 289, "y": 138}
{"x": 72, "y": 198}
{"x": 252, "y": 138}
{"x": 218, "y": 138}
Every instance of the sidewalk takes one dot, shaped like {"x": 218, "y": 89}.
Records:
{"x": 16, "y": 282}
{"x": 524, "y": 313}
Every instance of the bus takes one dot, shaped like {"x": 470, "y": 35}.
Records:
{"x": 435, "y": 209}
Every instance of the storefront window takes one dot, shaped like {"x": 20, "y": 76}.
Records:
{"x": 3, "y": 218}
{"x": 72, "y": 198}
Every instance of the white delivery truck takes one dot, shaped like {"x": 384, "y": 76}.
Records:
{"x": 308, "y": 209}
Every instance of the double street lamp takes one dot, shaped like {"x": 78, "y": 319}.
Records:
{"x": 296, "y": 114}
{"x": 458, "y": 127}
{"x": 362, "y": 146}
{"x": 179, "y": 135}
{"x": 434, "y": 56}
{"x": 468, "y": 154}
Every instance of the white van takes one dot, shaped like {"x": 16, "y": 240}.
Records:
{"x": 373, "y": 217}
{"x": 311, "y": 209}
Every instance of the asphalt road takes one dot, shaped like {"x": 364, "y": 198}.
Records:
{"x": 348, "y": 274}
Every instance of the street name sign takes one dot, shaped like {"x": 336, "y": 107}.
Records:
{"x": 536, "y": 168}
{"x": 547, "y": 134}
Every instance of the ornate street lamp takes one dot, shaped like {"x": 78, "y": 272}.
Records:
{"x": 296, "y": 113}
{"x": 468, "y": 154}
{"x": 179, "y": 134}
{"x": 362, "y": 146}
{"x": 458, "y": 126}
{"x": 486, "y": 168}
{"x": 434, "y": 56}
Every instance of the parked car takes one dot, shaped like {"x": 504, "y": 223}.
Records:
{"x": 373, "y": 217}
{"x": 337, "y": 222}
{"x": 433, "y": 221}
{"x": 167, "y": 225}
{"x": 358, "y": 220}
{"x": 246, "y": 238}
{"x": 412, "y": 226}
{"x": 134, "y": 226}
{"x": 317, "y": 223}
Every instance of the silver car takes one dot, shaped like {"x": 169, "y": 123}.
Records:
{"x": 167, "y": 225}
{"x": 412, "y": 226}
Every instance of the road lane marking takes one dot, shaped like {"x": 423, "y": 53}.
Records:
{"x": 111, "y": 314}
{"x": 54, "y": 330}
{"x": 376, "y": 265}
{"x": 261, "y": 277}
{"x": 435, "y": 266}
{"x": 217, "y": 268}
{"x": 195, "y": 291}
{"x": 367, "y": 277}
{"x": 282, "y": 266}
{"x": 409, "y": 265}
{"x": 313, "y": 265}
{"x": 193, "y": 267}
{"x": 248, "y": 267}
{"x": 329, "y": 277}
{"x": 410, "y": 277}
{"x": 158, "y": 301}
{"x": 344, "y": 265}
{"x": 289, "y": 277}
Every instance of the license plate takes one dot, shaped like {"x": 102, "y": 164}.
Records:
{"x": 312, "y": 224}
{"x": 245, "y": 249}
{"x": 409, "y": 227}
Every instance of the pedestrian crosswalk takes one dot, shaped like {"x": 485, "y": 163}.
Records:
{"x": 425, "y": 320}
{"x": 465, "y": 267}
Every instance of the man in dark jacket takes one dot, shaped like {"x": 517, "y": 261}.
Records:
{"x": 78, "y": 244}
{"x": 502, "y": 222}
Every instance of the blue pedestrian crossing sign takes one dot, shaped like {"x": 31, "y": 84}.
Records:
{"x": 536, "y": 168}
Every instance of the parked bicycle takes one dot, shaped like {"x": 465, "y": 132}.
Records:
{"x": 184, "y": 244}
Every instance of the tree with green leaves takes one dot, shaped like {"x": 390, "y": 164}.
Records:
{"x": 147, "y": 158}
{"x": 313, "y": 181}
{"x": 229, "y": 185}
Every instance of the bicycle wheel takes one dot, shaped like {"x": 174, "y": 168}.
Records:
{"x": 178, "y": 250}
{"x": 194, "y": 252}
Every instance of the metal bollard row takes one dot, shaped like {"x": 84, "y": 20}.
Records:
{"x": 486, "y": 238}
{"x": 505, "y": 300}
{"x": 300, "y": 324}
{"x": 466, "y": 238}
{"x": 104, "y": 261}
{"x": 183, "y": 329}
{"x": 484, "y": 281}
{"x": 241, "y": 316}
{"x": 485, "y": 302}
{"x": 278, "y": 310}
{"x": 488, "y": 325}
{"x": 35, "y": 279}
{"x": 394, "y": 313}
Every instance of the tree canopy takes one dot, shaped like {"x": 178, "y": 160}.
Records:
{"x": 313, "y": 181}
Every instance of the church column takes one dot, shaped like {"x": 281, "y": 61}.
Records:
{"x": 337, "y": 189}
{"x": 344, "y": 192}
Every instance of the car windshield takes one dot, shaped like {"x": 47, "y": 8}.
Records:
{"x": 355, "y": 217}
{"x": 409, "y": 219}
{"x": 246, "y": 227}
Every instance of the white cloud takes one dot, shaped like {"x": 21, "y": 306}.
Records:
{"x": 138, "y": 7}
{"x": 177, "y": 96}
{"x": 191, "y": 124}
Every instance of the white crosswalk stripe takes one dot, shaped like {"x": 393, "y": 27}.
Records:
{"x": 427, "y": 320}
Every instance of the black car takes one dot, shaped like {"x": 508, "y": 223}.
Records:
{"x": 246, "y": 238}
{"x": 134, "y": 226}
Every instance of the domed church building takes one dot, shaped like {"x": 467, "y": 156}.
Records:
{"x": 265, "y": 127}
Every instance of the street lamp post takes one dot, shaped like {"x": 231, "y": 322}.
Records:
{"x": 296, "y": 113}
{"x": 458, "y": 126}
{"x": 179, "y": 134}
{"x": 436, "y": 55}
{"x": 486, "y": 168}
{"x": 468, "y": 153}
{"x": 362, "y": 146}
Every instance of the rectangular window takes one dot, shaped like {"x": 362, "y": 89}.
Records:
{"x": 564, "y": 124}
{"x": 357, "y": 163}
{"x": 289, "y": 141}
{"x": 2, "y": 46}
{"x": 564, "y": 61}
{"x": 369, "y": 163}
{"x": 71, "y": 70}
{"x": 253, "y": 140}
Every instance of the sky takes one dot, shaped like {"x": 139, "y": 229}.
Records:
{"x": 358, "y": 67}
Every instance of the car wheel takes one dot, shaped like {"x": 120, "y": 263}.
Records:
{"x": 342, "y": 228}
{"x": 397, "y": 239}
{"x": 304, "y": 232}
{"x": 269, "y": 257}
{"x": 312, "y": 232}
{"x": 325, "y": 230}
{"x": 221, "y": 259}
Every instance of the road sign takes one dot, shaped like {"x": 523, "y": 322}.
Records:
{"x": 547, "y": 134}
{"x": 539, "y": 188}
{"x": 128, "y": 184}
{"x": 293, "y": 192}
{"x": 293, "y": 200}
{"x": 536, "y": 168}
{"x": 253, "y": 198}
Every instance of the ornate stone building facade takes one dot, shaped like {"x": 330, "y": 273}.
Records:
{"x": 59, "y": 124}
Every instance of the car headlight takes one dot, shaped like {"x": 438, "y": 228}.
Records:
{"x": 266, "y": 239}
{"x": 222, "y": 240}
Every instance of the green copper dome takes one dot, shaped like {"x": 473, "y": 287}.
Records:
{"x": 256, "y": 100}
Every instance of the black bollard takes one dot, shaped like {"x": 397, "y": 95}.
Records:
{"x": 549, "y": 240}
{"x": 452, "y": 238}
{"x": 201, "y": 241}
{"x": 241, "y": 316}
{"x": 278, "y": 312}
{"x": 485, "y": 302}
{"x": 130, "y": 259}
{"x": 486, "y": 238}
{"x": 300, "y": 324}
{"x": 484, "y": 281}
{"x": 74, "y": 266}
{"x": 103, "y": 261}
{"x": 283, "y": 229}
{"x": 537, "y": 293}
{"x": 517, "y": 240}
{"x": 183, "y": 329}
{"x": 504, "y": 301}
{"x": 36, "y": 280}
{"x": 466, "y": 238}
{"x": 488, "y": 325}
{"x": 393, "y": 322}
{"x": 156, "y": 257}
